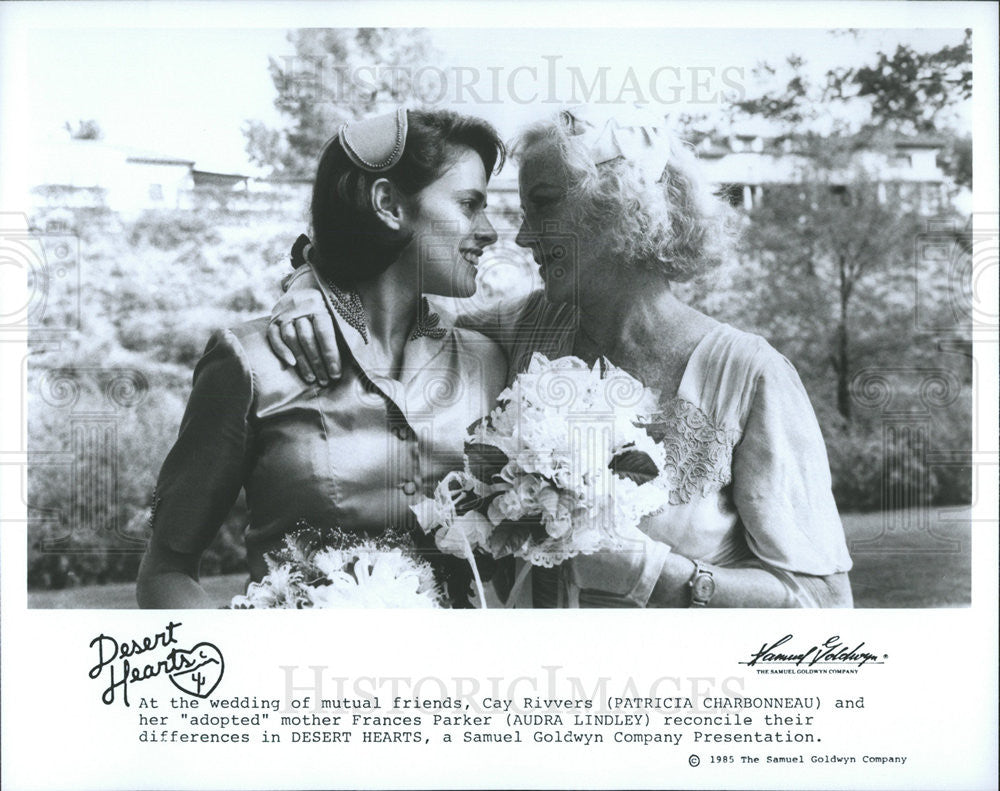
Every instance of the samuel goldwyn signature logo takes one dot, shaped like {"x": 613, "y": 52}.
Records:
{"x": 832, "y": 652}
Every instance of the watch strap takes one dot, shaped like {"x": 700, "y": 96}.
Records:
{"x": 702, "y": 584}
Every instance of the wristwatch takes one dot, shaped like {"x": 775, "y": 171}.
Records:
{"x": 702, "y": 585}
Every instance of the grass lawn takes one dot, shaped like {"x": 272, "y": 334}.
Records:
{"x": 121, "y": 595}
{"x": 901, "y": 559}
{"x": 911, "y": 558}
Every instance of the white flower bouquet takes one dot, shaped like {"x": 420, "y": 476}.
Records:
{"x": 328, "y": 568}
{"x": 562, "y": 466}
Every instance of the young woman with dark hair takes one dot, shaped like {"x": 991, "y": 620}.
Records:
{"x": 398, "y": 211}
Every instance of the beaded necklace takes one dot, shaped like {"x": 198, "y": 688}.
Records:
{"x": 348, "y": 304}
{"x": 427, "y": 323}
{"x": 350, "y": 308}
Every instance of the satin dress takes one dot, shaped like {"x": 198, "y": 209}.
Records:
{"x": 354, "y": 455}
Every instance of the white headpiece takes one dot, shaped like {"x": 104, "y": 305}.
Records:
{"x": 632, "y": 133}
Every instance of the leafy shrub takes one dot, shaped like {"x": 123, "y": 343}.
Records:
{"x": 892, "y": 461}
{"x": 167, "y": 230}
{"x": 89, "y": 507}
{"x": 153, "y": 293}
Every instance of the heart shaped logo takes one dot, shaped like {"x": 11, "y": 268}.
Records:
{"x": 198, "y": 671}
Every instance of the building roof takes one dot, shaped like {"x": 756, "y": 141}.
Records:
{"x": 159, "y": 160}
{"x": 90, "y": 163}
{"x": 716, "y": 144}
{"x": 918, "y": 141}
{"x": 212, "y": 178}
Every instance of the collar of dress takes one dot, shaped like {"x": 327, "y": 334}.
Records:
{"x": 426, "y": 341}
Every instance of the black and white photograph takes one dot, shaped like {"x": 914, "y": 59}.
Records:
{"x": 544, "y": 310}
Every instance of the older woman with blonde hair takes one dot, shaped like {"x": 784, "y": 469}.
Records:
{"x": 615, "y": 210}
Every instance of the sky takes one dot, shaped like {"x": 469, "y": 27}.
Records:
{"x": 187, "y": 92}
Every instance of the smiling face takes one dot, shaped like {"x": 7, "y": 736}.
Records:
{"x": 449, "y": 227}
{"x": 549, "y": 227}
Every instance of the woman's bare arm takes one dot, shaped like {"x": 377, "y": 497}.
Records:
{"x": 750, "y": 587}
{"x": 169, "y": 580}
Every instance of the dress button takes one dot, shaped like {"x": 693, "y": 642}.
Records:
{"x": 403, "y": 433}
{"x": 409, "y": 488}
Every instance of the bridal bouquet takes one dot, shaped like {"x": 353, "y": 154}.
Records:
{"x": 562, "y": 466}
{"x": 328, "y": 568}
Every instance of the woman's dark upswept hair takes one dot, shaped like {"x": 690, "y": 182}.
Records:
{"x": 350, "y": 243}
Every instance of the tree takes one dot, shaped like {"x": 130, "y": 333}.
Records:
{"x": 85, "y": 130}
{"x": 788, "y": 105}
{"x": 335, "y": 75}
{"x": 833, "y": 268}
{"x": 836, "y": 250}
{"x": 908, "y": 91}
{"x": 837, "y": 242}
{"x": 956, "y": 159}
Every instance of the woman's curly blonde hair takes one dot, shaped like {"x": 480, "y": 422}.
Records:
{"x": 674, "y": 226}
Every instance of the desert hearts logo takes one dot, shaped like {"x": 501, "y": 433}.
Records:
{"x": 120, "y": 663}
{"x": 200, "y": 669}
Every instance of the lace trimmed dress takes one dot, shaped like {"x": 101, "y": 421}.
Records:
{"x": 748, "y": 473}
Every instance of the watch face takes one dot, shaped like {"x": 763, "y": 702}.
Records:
{"x": 703, "y": 587}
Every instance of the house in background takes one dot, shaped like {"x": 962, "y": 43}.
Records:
{"x": 74, "y": 175}
{"x": 744, "y": 166}
{"x": 94, "y": 174}
{"x": 77, "y": 174}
